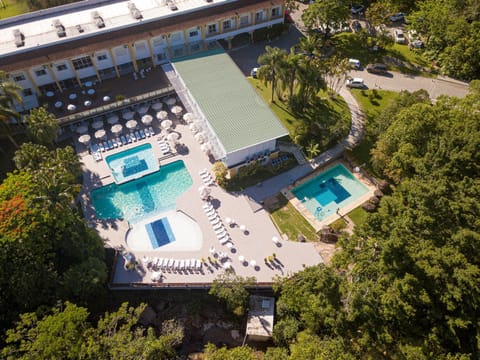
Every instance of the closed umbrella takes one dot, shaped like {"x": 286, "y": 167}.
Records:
{"x": 157, "y": 106}
{"x": 117, "y": 129}
{"x": 241, "y": 258}
{"x": 206, "y": 148}
{"x": 87, "y": 103}
{"x": 204, "y": 192}
{"x": 193, "y": 128}
{"x": 147, "y": 119}
{"x": 127, "y": 115}
{"x": 275, "y": 239}
{"x": 166, "y": 124}
{"x": 173, "y": 137}
{"x": 253, "y": 263}
{"x": 106, "y": 98}
{"x": 143, "y": 109}
{"x": 84, "y": 139}
{"x": 188, "y": 117}
{"x": 162, "y": 115}
{"x": 200, "y": 137}
{"x": 82, "y": 129}
{"x": 131, "y": 124}
{"x": 171, "y": 101}
{"x": 176, "y": 110}
{"x": 97, "y": 124}
{"x": 243, "y": 228}
{"x": 71, "y": 107}
{"x": 100, "y": 134}
{"x": 112, "y": 119}
{"x": 228, "y": 220}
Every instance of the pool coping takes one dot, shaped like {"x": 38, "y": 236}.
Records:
{"x": 319, "y": 224}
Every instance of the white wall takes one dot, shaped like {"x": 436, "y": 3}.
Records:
{"x": 176, "y": 38}
{"x": 122, "y": 54}
{"x": 239, "y": 156}
{"x": 63, "y": 74}
{"x": 44, "y": 79}
{"x": 141, "y": 49}
{"x": 104, "y": 63}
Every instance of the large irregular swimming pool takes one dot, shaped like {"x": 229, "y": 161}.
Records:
{"x": 329, "y": 191}
{"x": 144, "y": 197}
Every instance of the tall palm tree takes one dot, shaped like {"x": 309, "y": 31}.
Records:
{"x": 271, "y": 66}
{"x": 9, "y": 93}
{"x": 290, "y": 67}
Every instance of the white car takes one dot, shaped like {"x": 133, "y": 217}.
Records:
{"x": 399, "y": 37}
{"x": 355, "y": 64}
{"x": 356, "y": 83}
{"x": 397, "y": 17}
{"x": 253, "y": 73}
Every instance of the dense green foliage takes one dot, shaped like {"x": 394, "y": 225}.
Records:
{"x": 42, "y": 126}
{"x": 67, "y": 334}
{"x": 231, "y": 289}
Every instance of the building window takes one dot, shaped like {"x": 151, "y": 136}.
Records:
{"x": 82, "y": 63}
{"x": 27, "y": 92}
{"x": 212, "y": 28}
{"x": 193, "y": 33}
{"x": 244, "y": 20}
{"x": 40, "y": 72}
{"x": 102, "y": 57}
{"x": 276, "y": 11}
{"x": 259, "y": 16}
{"x": 61, "y": 67}
{"x": 227, "y": 25}
{"x": 161, "y": 57}
{"x": 18, "y": 77}
{"x": 176, "y": 36}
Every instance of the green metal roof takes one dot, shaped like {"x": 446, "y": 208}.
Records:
{"x": 237, "y": 114}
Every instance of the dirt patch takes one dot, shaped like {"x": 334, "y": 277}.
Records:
{"x": 326, "y": 251}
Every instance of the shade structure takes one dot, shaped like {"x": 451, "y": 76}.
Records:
{"x": 171, "y": 101}
{"x": 204, "y": 192}
{"x": 71, "y": 107}
{"x": 147, "y": 119}
{"x": 131, "y": 124}
{"x": 188, "y": 117}
{"x": 97, "y": 124}
{"x": 87, "y": 103}
{"x": 82, "y": 129}
{"x": 206, "y": 148}
{"x": 100, "y": 134}
{"x": 143, "y": 109}
{"x": 193, "y": 128}
{"x": 162, "y": 115}
{"x": 200, "y": 137}
{"x": 253, "y": 263}
{"x": 176, "y": 110}
{"x": 128, "y": 115}
{"x": 157, "y": 106}
{"x": 173, "y": 137}
{"x": 166, "y": 124}
{"x": 117, "y": 129}
{"x": 106, "y": 98}
{"x": 112, "y": 119}
{"x": 84, "y": 139}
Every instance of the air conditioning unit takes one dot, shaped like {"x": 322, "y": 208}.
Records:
{"x": 19, "y": 38}
{"x": 97, "y": 20}
{"x": 60, "y": 28}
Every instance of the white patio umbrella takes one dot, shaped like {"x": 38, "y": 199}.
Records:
{"x": 97, "y": 124}
{"x": 243, "y": 228}
{"x": 82, "y": 129}
{"x": 157, "y": 106}
{"x": 241, "y": 258}
{"x": 188, "y": 117}
{"x": 176, "y": 110}
{"x": 106, "y": 98}
{"x": 100, "y": 134}
{"x": 200, "y": 137}
{"x": 117, "y": 129}
{"x": 227, "y": 265}
{"x": 206, "y": 148}
{"x": 228, "y": 220}
{"x": 204, "y": 192}
{"x": 131, "y": 124}
{"x": 162, "y": 115}
{"x": 112, "y": 119}
{"x": 253, "y": 263}
{"x": 173, "y": 137}
{"x": 127, "y": 115}
{"x": 147, "y": 119}
{"x": 87, "y": 103}
{"x": 71, "y": 107}
{"x": 275, "y": 239}
{"x": 193, "y": 128}
{"x": 143, "y": 109}
{"x": 156, "y": 275}
{"x": 84, "y": 139}
{"x": 171, "y": 101}
{"x": 166, "y": 124}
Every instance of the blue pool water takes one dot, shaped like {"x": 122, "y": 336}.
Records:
{"x": 147, "y": 196}
{"x": 160, "y": 233}
{"x": 329, "y": 191}
{"x": 132, "y": 163}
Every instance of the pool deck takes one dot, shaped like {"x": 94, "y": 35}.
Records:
{"x": 255, "y": 244}
{"x": 319, "y": 224}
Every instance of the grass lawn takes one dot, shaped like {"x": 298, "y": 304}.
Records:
{"x": 371, "y": 108}
{"x": 9, "y": 8}
{"x": 289, "y": 221}
{"x": 358, "y": 216}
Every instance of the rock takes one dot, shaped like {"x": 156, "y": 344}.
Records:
{"x": 147, "y": 317}
{"x": 374, "y": 200}
{"x": 378, "y": 193}
{"x": 368, "y": 206}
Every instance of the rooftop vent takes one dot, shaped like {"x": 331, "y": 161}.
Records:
{"x": 172, "y": 6}
{"x": 79, "y": 28}
{"x": 98, "y": 20}
{"x": 60, "y": 28}
{"x": 136, "y": 14}
{"x": 208, "y": 0}
{"x": 19, "y": 38}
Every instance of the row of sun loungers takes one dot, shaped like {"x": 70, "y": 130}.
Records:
{"x": 216, "y": 222}
{"x": 175, "y": 265}
{"x": 164, "y": 147}
{"x": 206, "y": 177}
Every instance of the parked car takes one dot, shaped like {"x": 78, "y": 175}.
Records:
{"x": 377, "y": 68}
{"x": 356, "y": 83}
{"x": 355, "y": 64}
{"x": 399, "y": 16}
{"x": 253, "y": 73}
{"x": 356, "y": 26}
{"x": 399, "y": 36}
{"x": 357, "y": 9}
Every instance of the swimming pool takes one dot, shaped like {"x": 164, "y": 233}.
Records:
{"x": 144, "y": 197}
{"x": 329, "y": 191}
{"x": 132, "y": 163}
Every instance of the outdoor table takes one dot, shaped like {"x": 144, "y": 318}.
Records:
{"x": 58, "y": 104}
{"x": 91, "y": 91}
{"x": 50, "y": 94}
{"x": 72, "y": 96}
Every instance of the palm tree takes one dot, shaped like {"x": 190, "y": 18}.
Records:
{"x": 271, "y": 66}
{"x": 9, "y": 93}
{"x": 313, "y": 149}
{"x": 289, "y": 71}
{"x": 42, "y": 126}
{"x": 54, "y": 190}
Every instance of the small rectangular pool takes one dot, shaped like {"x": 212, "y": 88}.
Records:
{"x": 132, "y": 163}
{"x": 329, "y": 191}
{"x": 160, "y": 233}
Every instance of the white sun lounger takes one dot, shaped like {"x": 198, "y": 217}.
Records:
{"x": 224, "y": 240}
{"x": 97, "y": 156}
{"x": 198, "y": 265}
{"x": 218, "y": 227}
{"x": 221, "y": 233}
